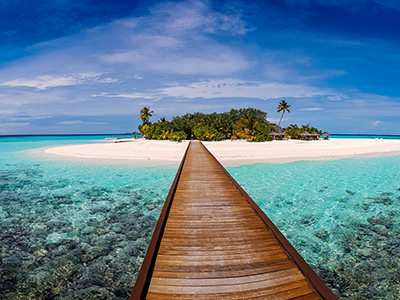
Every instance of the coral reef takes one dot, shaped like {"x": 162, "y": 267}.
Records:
{"x": 64, "y": 239}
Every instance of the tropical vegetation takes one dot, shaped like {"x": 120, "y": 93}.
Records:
{"x": 283, "y": 107}
{"x": 145, "y": 114}
{"x": 293, "y": 131}
{"x": 246, "y": 123}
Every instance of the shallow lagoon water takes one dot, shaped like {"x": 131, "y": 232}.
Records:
{"x": 71, "y": 230}
{"x": 342, "y": 216}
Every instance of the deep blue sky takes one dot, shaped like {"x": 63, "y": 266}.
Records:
{"x": 89, "y": 66}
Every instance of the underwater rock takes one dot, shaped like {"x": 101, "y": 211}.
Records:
{"x": 52, "y": 243}
{"x": 386, "y": 194}
{"x": 365, "y": 206}
{"x": 307, "y": 220}
{"x": 322, "y": 234}
{"x": 370, "y": 266}
{"x": 383, "y": 200}
{"x": 375, "y": 220}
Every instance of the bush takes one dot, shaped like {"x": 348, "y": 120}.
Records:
{"x": 262, "y": 132}
{"x": 207, "y": 133}
{"x": 294, "y": 132}
{"x": 245, "y": 123}
{"x": 177, "y": 136}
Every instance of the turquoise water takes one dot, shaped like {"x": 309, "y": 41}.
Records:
{"x": 342, "y": 216}
{"x": 71, "y": 230}
{"x": 365, "y": 136}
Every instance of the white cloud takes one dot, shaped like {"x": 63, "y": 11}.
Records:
{"x": 176, "y": 38}
{"x": 215, "y": 60}
{"x": 126, "y": 95}
{"x": 80, "y": 122}
{"x": 336, "y": 97}
{"x": 49, "y": 81}
{"x": 217, "y": 64}
{"x": 197, "y": 15}
{"x": 106, "y": 80}
{"x": 375, "y": 123}
{"x": 13, "y": 124}
{"x": 6, "y": 112}
{"x": 233, "y": 88}
{"x": 312, "y": 109}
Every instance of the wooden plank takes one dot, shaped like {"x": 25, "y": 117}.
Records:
{"x": 214, "y": 245}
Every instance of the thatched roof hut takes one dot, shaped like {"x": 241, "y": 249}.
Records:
{"x": 325, "y": 135}
{"x": 306, "y": 135}
{"x": 277, "y": 128}
{"x": 277, "y": 135}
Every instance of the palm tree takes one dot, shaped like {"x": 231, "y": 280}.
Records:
{"x": 247, "y": 128}
{"x": 145, "y": 114}
{"x": 283, "y": 107}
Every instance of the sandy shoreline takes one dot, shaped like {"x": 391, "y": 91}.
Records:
{"x": 231, "y": 153}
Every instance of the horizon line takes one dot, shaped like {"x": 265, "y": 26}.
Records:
{"x": 128, "y": 133}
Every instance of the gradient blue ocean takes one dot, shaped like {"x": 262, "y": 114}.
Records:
{"x": 75, "y": 230}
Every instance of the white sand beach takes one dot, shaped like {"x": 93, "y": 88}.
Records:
{"x": 230, "y": 153}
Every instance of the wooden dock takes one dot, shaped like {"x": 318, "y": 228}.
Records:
{"x": 213, "y": 242}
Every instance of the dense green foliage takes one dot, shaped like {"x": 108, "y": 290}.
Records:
{"x": 294, "y": 132}
{"x": 145, "y": 114}
{"x": 245, "y": 123}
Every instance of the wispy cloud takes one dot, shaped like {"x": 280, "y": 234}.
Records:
{"x": 80, "y": 122}
{"x": 126, "y": 95}
{"x": 197, "y": 15}
{"x": 6, "y": 112}
{"x": 175, "y": 38}
{"x": 234, "y": 88}
{"x": 375, "y": 123}
{"x": 182, "y": 56}
{"x": 5, "y": 127}
{"x": 312, "y": 109}
{"x": 213, "y": 61}
{"x": 50, "y": 81}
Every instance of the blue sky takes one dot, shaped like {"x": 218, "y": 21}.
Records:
{"x": 89, "y": 66}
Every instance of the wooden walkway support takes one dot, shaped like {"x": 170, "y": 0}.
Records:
{"x": 213, "y": 242}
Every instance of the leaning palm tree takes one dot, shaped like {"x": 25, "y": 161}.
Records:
{"x": 145, "y": 114}
{"x": 283, "y": 106}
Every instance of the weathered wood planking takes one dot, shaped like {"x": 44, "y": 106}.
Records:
{"x": 213, "y": 242}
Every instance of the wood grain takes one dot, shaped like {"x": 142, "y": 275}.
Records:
{"x": 215, "y": 246}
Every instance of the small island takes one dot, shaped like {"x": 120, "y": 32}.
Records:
{"x": 237, "y": 137}
{"x": 246, "y": 123}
